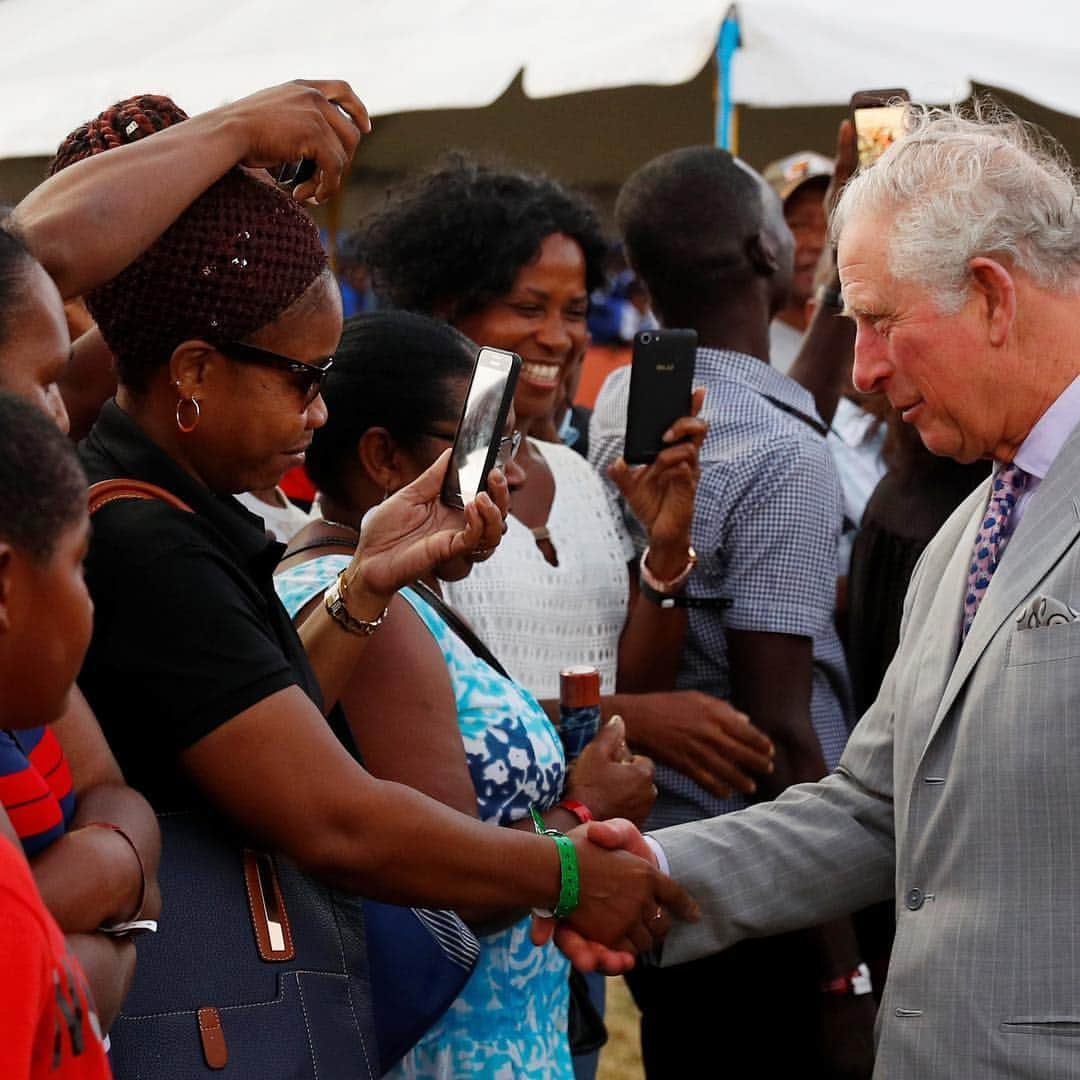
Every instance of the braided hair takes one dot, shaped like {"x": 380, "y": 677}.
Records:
{"x": 125, "y": 122}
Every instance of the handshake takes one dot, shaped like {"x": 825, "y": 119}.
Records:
{"x": 626, "y": 903}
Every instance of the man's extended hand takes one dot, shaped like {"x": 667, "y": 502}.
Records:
{"x": 580, "y": 946}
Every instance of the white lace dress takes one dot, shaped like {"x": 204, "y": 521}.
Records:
{"x": 538, "y": 618}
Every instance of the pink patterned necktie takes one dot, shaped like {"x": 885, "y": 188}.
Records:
{"x": 1008, "y": 485}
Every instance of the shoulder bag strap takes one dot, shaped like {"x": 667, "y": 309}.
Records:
{"x": 106, "y": 491}
{"x": 459, "y": 626}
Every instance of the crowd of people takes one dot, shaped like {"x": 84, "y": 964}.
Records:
{"x": 283, "y": 790}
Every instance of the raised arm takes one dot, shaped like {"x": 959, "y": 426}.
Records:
{"x": 823, "y": 364}
{"x": 134, "y": 193}
{"x": 387, "y": 841}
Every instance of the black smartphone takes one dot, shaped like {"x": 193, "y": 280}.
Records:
{"x": 661, "y": 380}
{"x": 294, "y": 173}
{"x": 878, "y": 116}
{"x": 480, "y": 429}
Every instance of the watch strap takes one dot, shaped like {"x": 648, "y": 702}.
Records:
{"x": 334, "y": 601}
{"x": 681, "y": 600}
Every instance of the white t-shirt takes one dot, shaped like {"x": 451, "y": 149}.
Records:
{"x": 284, "y": 521}
{"x": 784, "y": 344}
{"x": 538, "y": 618}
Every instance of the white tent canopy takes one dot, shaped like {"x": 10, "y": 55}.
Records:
{"x": 64, "y": 61}
{"x": 818, "y": 52}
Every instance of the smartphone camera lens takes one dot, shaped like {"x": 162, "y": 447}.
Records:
{"x": 646, "y": 338}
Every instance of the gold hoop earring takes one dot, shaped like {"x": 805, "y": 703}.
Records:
{"x": 187, "y": 429}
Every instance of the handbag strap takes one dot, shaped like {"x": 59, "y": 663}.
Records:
{"x": 459, "y": 626}
{"x": 106, "y": 491}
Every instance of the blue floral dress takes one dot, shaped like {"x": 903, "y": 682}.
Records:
{"x": 509, "y": 1023}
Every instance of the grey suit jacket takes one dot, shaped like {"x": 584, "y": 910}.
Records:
{"x": 959, "y": 792}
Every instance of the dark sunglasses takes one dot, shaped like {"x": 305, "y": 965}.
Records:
{"x": 309, "y": 376}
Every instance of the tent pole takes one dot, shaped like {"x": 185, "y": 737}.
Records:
{"x": 726, "y": 116}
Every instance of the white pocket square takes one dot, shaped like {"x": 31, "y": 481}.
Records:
{"x": 1043, "y": 611}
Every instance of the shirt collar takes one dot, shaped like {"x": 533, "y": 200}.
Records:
{"x": 731, "y": 366}
{"x": 118, "y": 447}
{"x": 1045, "y": 440}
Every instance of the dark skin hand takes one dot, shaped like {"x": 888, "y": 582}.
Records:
{"x": 109, "y": 964}
{"x": 403, "y": 538}
{"x": 90, "y": 876}
{"x": 702, "y": 736}
{"x": 705, "y": 737}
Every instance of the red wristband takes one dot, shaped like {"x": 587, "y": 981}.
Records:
{"x": 138, "y": 858}
{"x": 578, "y": 809}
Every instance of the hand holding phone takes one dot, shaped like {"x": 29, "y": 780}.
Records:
{"x": 480, "y": 429}
{"x": 661, "y": 374}
{"x": 879, "y": 121}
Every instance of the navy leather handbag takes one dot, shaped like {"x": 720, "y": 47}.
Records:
{"x": 258, "y": 971}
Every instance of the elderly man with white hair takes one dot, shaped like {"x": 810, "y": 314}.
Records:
{"x": 959, "y": 791}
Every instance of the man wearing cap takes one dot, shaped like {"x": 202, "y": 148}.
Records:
{"x": 801, "y": 180}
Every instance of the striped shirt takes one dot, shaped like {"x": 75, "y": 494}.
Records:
{"x": 35, "y": 786}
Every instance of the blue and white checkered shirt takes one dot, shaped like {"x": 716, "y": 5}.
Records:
{"x": 766, "y": 525}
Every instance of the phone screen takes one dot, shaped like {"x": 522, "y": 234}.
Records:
{"x": 877, "y": 127}
{"x": 481, "y": 424}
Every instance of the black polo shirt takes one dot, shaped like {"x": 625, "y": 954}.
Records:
{"x": 188, "y": 631}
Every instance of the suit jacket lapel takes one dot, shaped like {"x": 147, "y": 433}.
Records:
{"x": 939, "y": 624}
{"x": 1049, "y": 526}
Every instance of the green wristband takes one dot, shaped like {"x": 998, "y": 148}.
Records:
{"x": 570, "y": 878}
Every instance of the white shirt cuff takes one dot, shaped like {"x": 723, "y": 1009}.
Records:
{"x": 658, "y": 852}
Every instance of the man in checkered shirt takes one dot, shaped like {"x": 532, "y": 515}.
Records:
{"x": 708, "y": 237}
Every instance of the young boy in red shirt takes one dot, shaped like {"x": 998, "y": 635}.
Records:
{"x": 48, "y": 1024}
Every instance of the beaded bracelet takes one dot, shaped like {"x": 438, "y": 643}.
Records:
{"x": 570, "y": 879}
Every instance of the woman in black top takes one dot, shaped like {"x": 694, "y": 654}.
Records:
{"x": 220, "y": 329}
